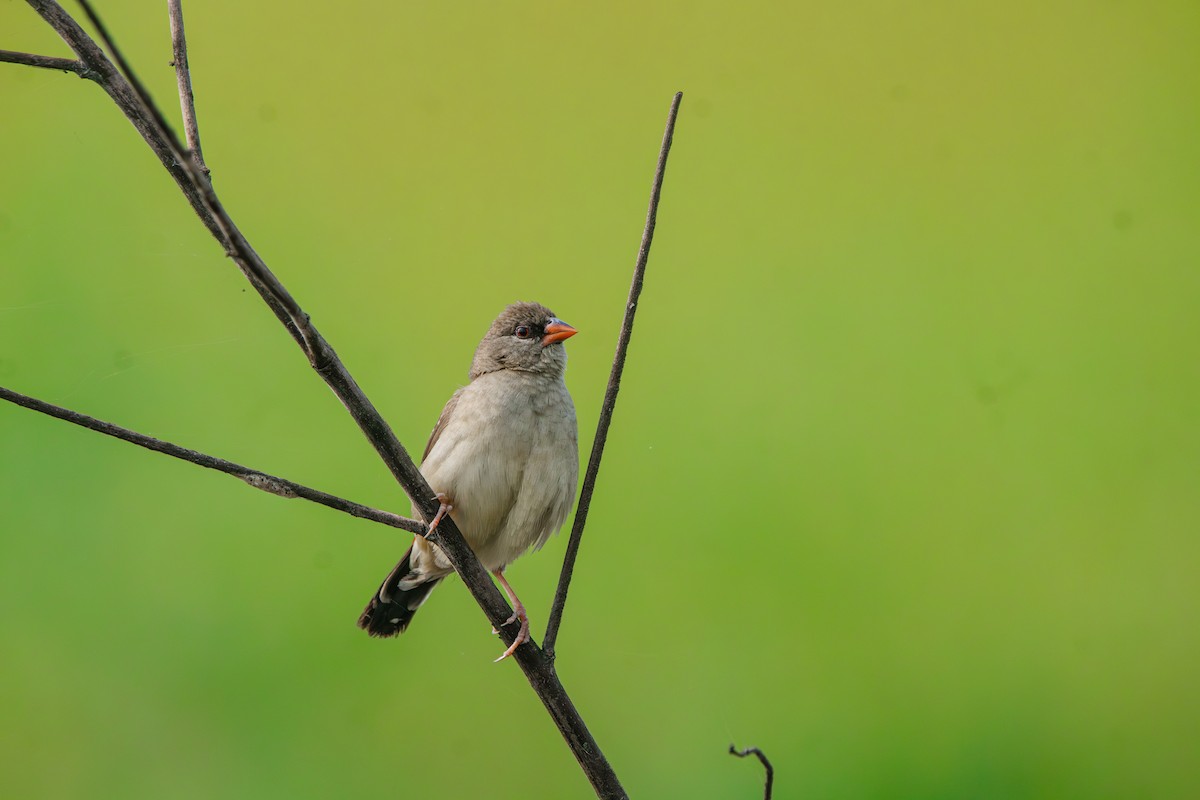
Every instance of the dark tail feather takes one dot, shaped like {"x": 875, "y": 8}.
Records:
{"x": 391, "y": 609}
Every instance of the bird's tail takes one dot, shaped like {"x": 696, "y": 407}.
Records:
{"x": 392, "y": 608}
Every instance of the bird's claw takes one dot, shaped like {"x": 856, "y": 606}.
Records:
{"x": 522, "y": 636}
{"x": 518, "y": 614}
{"x": 444, "y": 509}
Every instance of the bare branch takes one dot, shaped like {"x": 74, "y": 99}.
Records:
{"x": 754, "y": 751}
{"x": 43, "y": 62}
{"x": 152, "y": 129}
{"x": 320, "y": 354}
{"x": 614, "y": 386}
{"x": 253, "y": 477}
{"x": 123, "y": 86}
{"x": 114, "y": 84}
{"x": 183, "y": 77}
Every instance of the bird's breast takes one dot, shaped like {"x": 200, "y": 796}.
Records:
{"x": 507, "y": 458}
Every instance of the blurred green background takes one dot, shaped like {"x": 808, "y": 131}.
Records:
{"x": 904, "y": 483}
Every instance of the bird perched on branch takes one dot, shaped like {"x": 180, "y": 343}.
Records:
{"x": 503, "y": 460}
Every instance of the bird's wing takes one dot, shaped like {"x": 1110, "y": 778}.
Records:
{"x": 443, "y": 421}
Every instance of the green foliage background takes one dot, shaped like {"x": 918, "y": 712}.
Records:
{"x": 904, "y": 485}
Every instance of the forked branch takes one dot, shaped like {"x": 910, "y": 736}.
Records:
{"x": 186, "y": 167}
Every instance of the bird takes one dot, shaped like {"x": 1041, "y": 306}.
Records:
{"x": 503, "y": 460}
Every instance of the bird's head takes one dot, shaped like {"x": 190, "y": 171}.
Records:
{"x": 526, "y": 337}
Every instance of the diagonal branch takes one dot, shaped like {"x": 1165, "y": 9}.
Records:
{"x": 183, "y": 77}
{"x": 614, "y": 386}
{"x": 125, "y": 88}
{"x": 259, "y": 480}
{"x": 129, "y": 95}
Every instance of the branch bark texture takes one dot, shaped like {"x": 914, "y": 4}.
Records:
{"x": 42, "y": 62}
{"x": 183, "y": 77}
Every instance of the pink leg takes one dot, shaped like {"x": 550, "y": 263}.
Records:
{"x": 442, "y": 511}
{"x": 518, "y": 614}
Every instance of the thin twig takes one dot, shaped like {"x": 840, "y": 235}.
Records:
{"x": 614, "y": 386}
{"x": 256, "y": 478}
{"x": 236, "y": 244}
{"x": 183, "y": 77}
{"x": 43, "y": 62}
{"x": 754, "y": 751}
{"x": 133, "y": 101}
{"x": 128, "y": 72}
{"x": 101, "y": 70}
{"x": 152, "y": 128}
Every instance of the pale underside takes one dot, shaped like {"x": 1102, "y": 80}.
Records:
{"x": 507, "y": 459}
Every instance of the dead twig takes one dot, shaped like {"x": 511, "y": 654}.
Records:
{"x": 614, "y": 386}
{"x": 256, "y": 478}
{"x": 183, "y": 77}
{"x": 43, "y": 62}
{"x": 754, "y": 751}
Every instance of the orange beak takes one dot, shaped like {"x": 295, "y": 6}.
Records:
{"x": 557, "y": 331}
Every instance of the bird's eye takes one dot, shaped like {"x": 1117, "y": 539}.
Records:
{"x": 522, "y": 331}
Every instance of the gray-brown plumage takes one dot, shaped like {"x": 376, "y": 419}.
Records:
{"x": 503, "y": 458}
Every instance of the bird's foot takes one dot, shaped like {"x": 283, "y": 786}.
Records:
{"x": 444, "y": 509}
{"x": 522, "y": 634}
{"x": 518, "y": 614}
